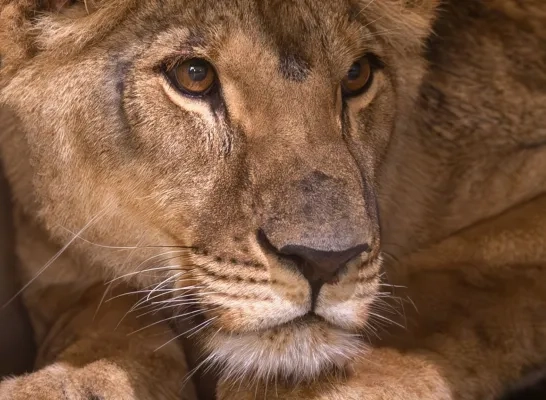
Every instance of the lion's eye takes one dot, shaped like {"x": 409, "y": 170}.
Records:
{"x": 194, "y": 77}
{"x": 358, "y": 78}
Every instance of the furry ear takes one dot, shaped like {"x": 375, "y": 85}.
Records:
{"x": 14, "y": 38}
{"x": 62, "y": 27}
{"x": 16, "y": 22}
{"x": 408, "y": 22}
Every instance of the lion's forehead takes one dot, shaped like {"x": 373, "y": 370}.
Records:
{"x": 300, "y": 33}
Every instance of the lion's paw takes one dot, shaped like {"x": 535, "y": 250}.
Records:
{"x": 96, "y": 381}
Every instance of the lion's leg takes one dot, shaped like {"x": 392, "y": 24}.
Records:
{"x": 89, "y": 354}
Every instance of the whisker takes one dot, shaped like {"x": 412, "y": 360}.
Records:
{"x": 138, "y": 270}
{"x": 147, "y": 297}
{"x": 154, "y": 324}
{"x": 393, "y": 286}
{"x": 163, "y": 292}
{"x": 387, "y": 320}
{"x": 161, "y": 284}
{"x": 181, "y": 297}
{"x": 102, "y": 301}
{"x": 105, "y": 246}
{"x": 178, "y": 301}
{"x": 201, "y": 327}
{"x": 204, "y": 325}
{"x": 139, "y": 304}
{"x": 391, "y": 256}
{"x": 56, "y": 256}
{"x": 165, "y": 307}
{"x": 190, "y": 375}
{"x": 168, "y": 267}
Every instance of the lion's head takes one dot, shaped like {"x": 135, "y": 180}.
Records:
{"x": 234, "y": 144}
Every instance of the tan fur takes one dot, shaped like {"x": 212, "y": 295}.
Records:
{"x": 165, "y": 194}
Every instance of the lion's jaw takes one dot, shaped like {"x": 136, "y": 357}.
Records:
{"x": 280, "y": 332}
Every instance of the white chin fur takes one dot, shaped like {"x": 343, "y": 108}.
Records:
{"x": 299, "y": 351}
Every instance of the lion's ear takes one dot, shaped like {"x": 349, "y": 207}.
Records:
{"x": 408, "y": 22}
{"x": 17, "y": 23}
{"x": 58, "y": 26}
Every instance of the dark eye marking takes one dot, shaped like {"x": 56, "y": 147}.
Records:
{"x": 293, "y": 68}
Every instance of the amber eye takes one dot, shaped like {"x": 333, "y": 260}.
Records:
{"x": 195, "y": 77}
{"x": 358, "y": 78}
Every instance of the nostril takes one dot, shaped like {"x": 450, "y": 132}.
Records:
{"x": 270, "y": 248}
{"x": 323, "y": 265}
{"x": 317, "y": 266}
{"x": 264, "y": 241}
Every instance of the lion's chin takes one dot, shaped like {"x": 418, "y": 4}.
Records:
{"x": 300, "y": 350}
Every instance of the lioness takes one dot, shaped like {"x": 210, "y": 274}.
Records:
{"x": 215, "y": 171}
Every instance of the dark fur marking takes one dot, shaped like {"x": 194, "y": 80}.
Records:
{"x": 232, "y": 277}
{"x": 253, "y": 264}
{"x": 116, "y": 74}
{"x": 354, "y": 13}
{"x": 293, "y": 68}
{"x": 367, "y": 279}
{"x": 195, "y": 40}
{"x": 121, "y": 71}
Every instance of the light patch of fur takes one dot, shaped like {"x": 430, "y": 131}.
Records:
{"x": 191, "y": 105}
{"x": 299, "y": 351}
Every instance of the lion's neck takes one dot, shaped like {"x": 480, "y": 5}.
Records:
{"x": 430, "y": 192}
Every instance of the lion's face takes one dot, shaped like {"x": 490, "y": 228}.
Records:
{"x": 245, "y": 135}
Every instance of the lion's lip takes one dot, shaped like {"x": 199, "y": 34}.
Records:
{"x": 310, "y": 318}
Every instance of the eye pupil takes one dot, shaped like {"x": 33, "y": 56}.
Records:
{"x": 354, "y": 71}
{"x": 194, "y": 77}
{"x": 198, "y": 72}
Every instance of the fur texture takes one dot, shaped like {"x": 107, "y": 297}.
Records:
{"x": 119, "y": 178}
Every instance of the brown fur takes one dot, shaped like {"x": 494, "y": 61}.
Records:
{"x": 101, "y": 154}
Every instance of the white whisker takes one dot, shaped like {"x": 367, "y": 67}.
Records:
{"x": 168, "y": 267}
{"x": 56, "y": 256}
{"x": 389, "y": 321}
{"x": 202, "y": 326}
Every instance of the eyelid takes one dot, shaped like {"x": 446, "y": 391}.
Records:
{"x": 181, "y": 56}
{"x": 169, "y": 76}
{"x": 376, "y": 64}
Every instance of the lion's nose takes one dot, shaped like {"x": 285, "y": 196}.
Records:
{"x": 317, "y": 266}
{"x": 321, "y": 266}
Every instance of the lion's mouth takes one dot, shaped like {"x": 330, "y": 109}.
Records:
{"x": 310, "y": 318}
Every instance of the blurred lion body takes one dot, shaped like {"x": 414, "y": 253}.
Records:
{"x": 106, "y": 171}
